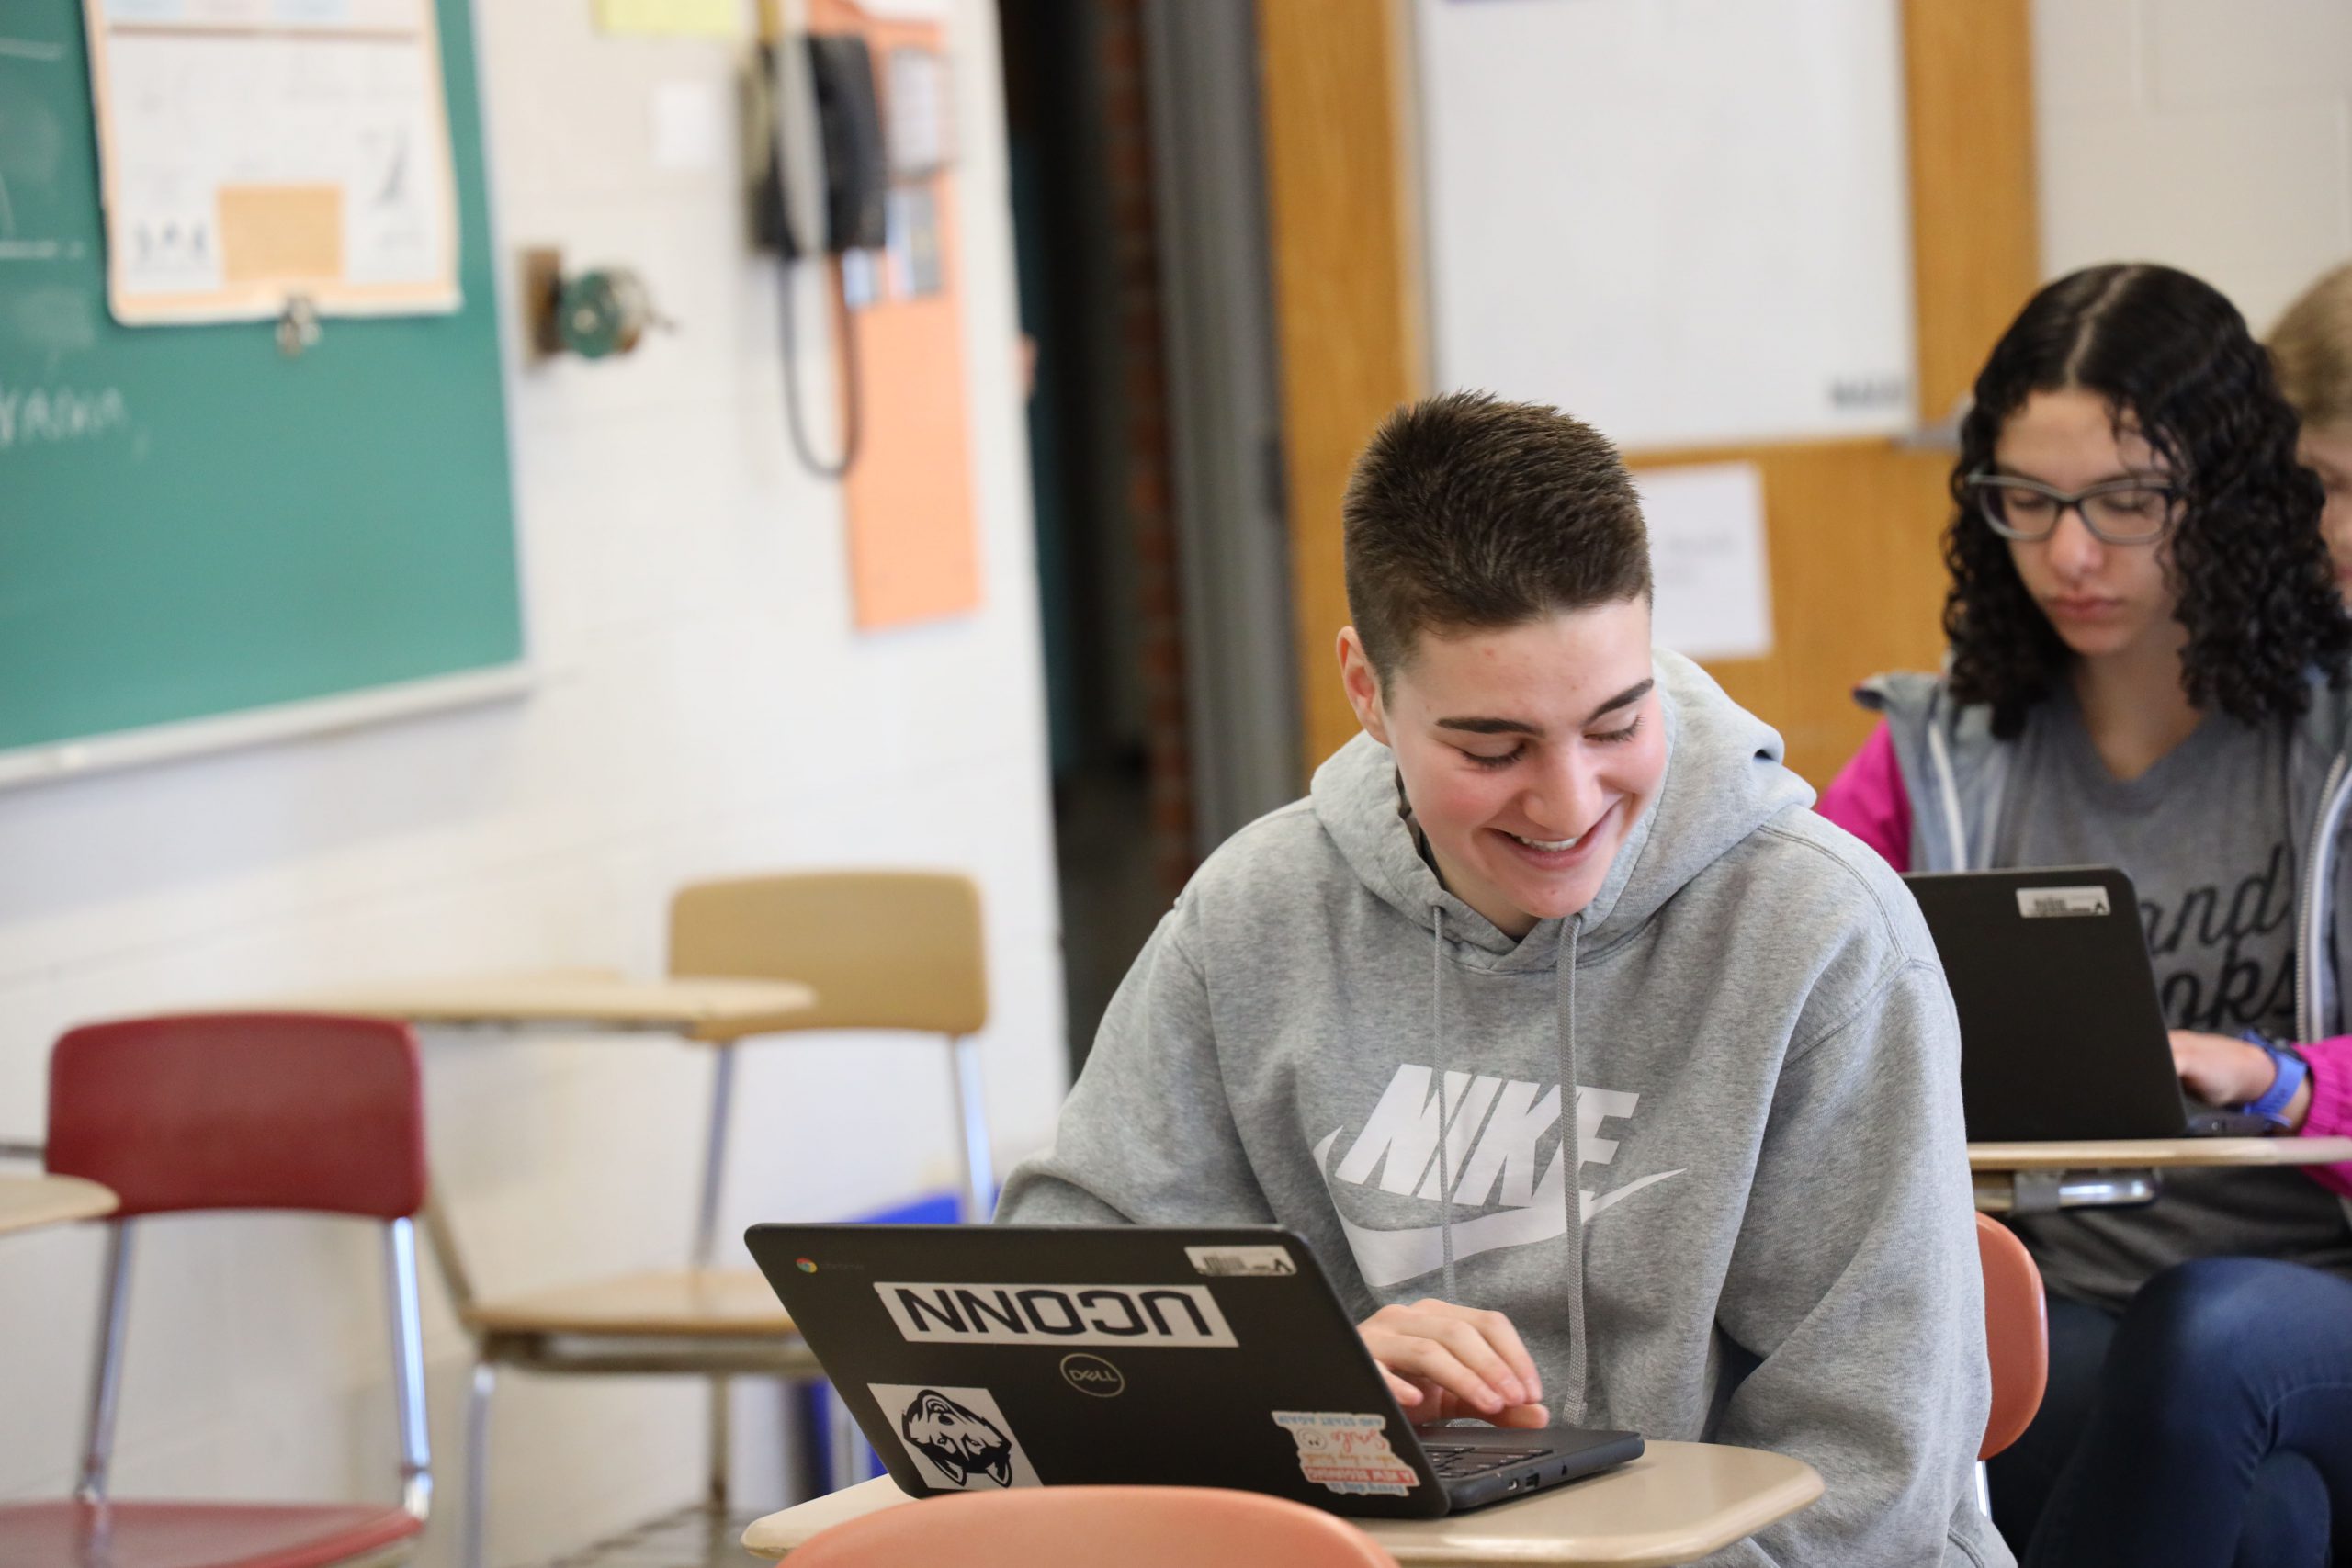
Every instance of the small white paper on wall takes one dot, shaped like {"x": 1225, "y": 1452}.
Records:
{"x": 691, "y": 125}
{"x": 1707, "y": 559}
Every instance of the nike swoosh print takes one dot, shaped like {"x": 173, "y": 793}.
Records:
{"x": 1389, "y": 1258}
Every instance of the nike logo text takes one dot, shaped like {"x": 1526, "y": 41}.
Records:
{"x": 1400, "y": 1142}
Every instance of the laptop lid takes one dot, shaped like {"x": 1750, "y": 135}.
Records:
{"x": 2060, "y": 1034}
{"x": 976, "y": 1356}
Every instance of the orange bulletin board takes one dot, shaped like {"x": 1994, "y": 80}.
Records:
{"x": 913, "y": 545}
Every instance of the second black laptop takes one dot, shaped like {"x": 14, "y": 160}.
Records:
{"x": 2062, "y": 1037}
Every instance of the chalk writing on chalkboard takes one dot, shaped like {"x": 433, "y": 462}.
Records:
{"x": 30, "y": 415}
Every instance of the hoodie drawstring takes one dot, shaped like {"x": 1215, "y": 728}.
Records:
{"x": 1572, "y": 1398}
{"x": 1445, "y": 1111}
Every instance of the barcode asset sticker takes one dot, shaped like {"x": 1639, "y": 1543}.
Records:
{"x": 2061, "y": 903}
{"x": 1227, "y": 1262}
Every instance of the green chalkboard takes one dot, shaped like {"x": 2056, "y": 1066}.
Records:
{"x": 193, "y": 524}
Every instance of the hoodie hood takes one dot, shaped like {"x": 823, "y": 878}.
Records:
{"x": 1724, "y": 779}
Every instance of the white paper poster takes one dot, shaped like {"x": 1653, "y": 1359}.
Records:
{"x": 1707, "y": 560}
{"x": 255, "y": 151}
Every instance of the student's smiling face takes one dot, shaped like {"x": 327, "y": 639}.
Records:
{"x": 1528, "y": 752}
{"x": 2102, "y": 599}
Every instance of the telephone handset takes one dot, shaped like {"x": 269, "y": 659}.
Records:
{"x": 849, "y": 118}
{"x": 821, "y": 185}
{"x": 824, "y": 177}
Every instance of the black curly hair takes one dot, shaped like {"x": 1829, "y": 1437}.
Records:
{"x": 2169, "y": 354}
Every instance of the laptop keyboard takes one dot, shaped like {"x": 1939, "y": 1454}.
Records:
{"x": 1453, "y": 1461}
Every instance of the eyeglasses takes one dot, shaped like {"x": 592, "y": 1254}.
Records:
{"x": 2121, "y": 512}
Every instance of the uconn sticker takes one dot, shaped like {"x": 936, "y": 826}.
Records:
{"x": 1168, "y": 1316}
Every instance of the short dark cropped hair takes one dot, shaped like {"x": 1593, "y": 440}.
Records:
{"x": 1466, "y": 512}
{"x": 2173, "y": 357}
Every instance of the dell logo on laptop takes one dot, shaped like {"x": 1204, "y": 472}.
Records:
{"x": 1093, "y": 1374}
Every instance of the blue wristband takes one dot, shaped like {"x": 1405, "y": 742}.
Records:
{"x": 2271, "y": 1105}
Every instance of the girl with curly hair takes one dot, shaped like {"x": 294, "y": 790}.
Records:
{"x": 2147, "y": 669}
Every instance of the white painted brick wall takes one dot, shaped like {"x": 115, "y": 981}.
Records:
{"x": 706, "y": 709}
{"x": 2214, "y": 135}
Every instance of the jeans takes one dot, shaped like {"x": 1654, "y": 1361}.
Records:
{"x": 2209, "y": 1425}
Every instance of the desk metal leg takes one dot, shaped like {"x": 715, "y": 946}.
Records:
{"x": 714, "y": 1169}
{"x": 106, "y": 1381}
{"x": 722, "y": 1439}
{"x": 470, "y": 1547}
{"x": 971, "y": 1102}
{"x": 714, "y": 1172}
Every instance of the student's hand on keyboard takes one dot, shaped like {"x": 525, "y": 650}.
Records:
{"x": 2220, "y": 1070}
{"x": 1445, "y": 1362}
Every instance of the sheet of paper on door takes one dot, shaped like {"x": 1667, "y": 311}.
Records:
{"x": 1708, "y": 560}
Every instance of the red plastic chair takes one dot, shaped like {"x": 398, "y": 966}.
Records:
{"x": 1082, "y": 1526}
{"x": 2017, "y": 1333}
{"x": 237, "y": 1112}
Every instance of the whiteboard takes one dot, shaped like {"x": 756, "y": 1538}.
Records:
{"x": 1685, "y": 222}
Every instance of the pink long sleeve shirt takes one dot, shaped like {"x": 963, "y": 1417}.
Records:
{"x": 1867, "y": 799}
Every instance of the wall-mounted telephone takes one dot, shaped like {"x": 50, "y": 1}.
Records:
{"x": 858, "y": 173}
{"x": 820, "y": 184}
{"x": 821, "y": 175}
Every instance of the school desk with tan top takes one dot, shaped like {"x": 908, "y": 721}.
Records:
{"x": 1674, "y": 1503}
{"x": 718, "y": 1011}
{"x": 28, "y": 1202}
{"x": 2034, "y": 1178}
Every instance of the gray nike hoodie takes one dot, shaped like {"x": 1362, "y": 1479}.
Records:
{"x": 1772, "y": 1243}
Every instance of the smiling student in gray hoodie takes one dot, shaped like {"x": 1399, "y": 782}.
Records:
{"x": 1556, "y": 856}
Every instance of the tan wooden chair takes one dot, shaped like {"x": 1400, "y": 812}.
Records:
{"x": 894, "y": 950}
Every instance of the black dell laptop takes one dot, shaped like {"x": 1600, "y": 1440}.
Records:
{"x": 981, "y": 1356}
{"x": 2062, "y": 1036}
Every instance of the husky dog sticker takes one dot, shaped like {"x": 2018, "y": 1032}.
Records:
{"x": 957, "y": 1437}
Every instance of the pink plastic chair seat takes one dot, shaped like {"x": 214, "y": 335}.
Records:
{"x": 1084, "y": 1526}
{"x": 69, "y": 1534}
{"x": 2017, "y": 1334}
